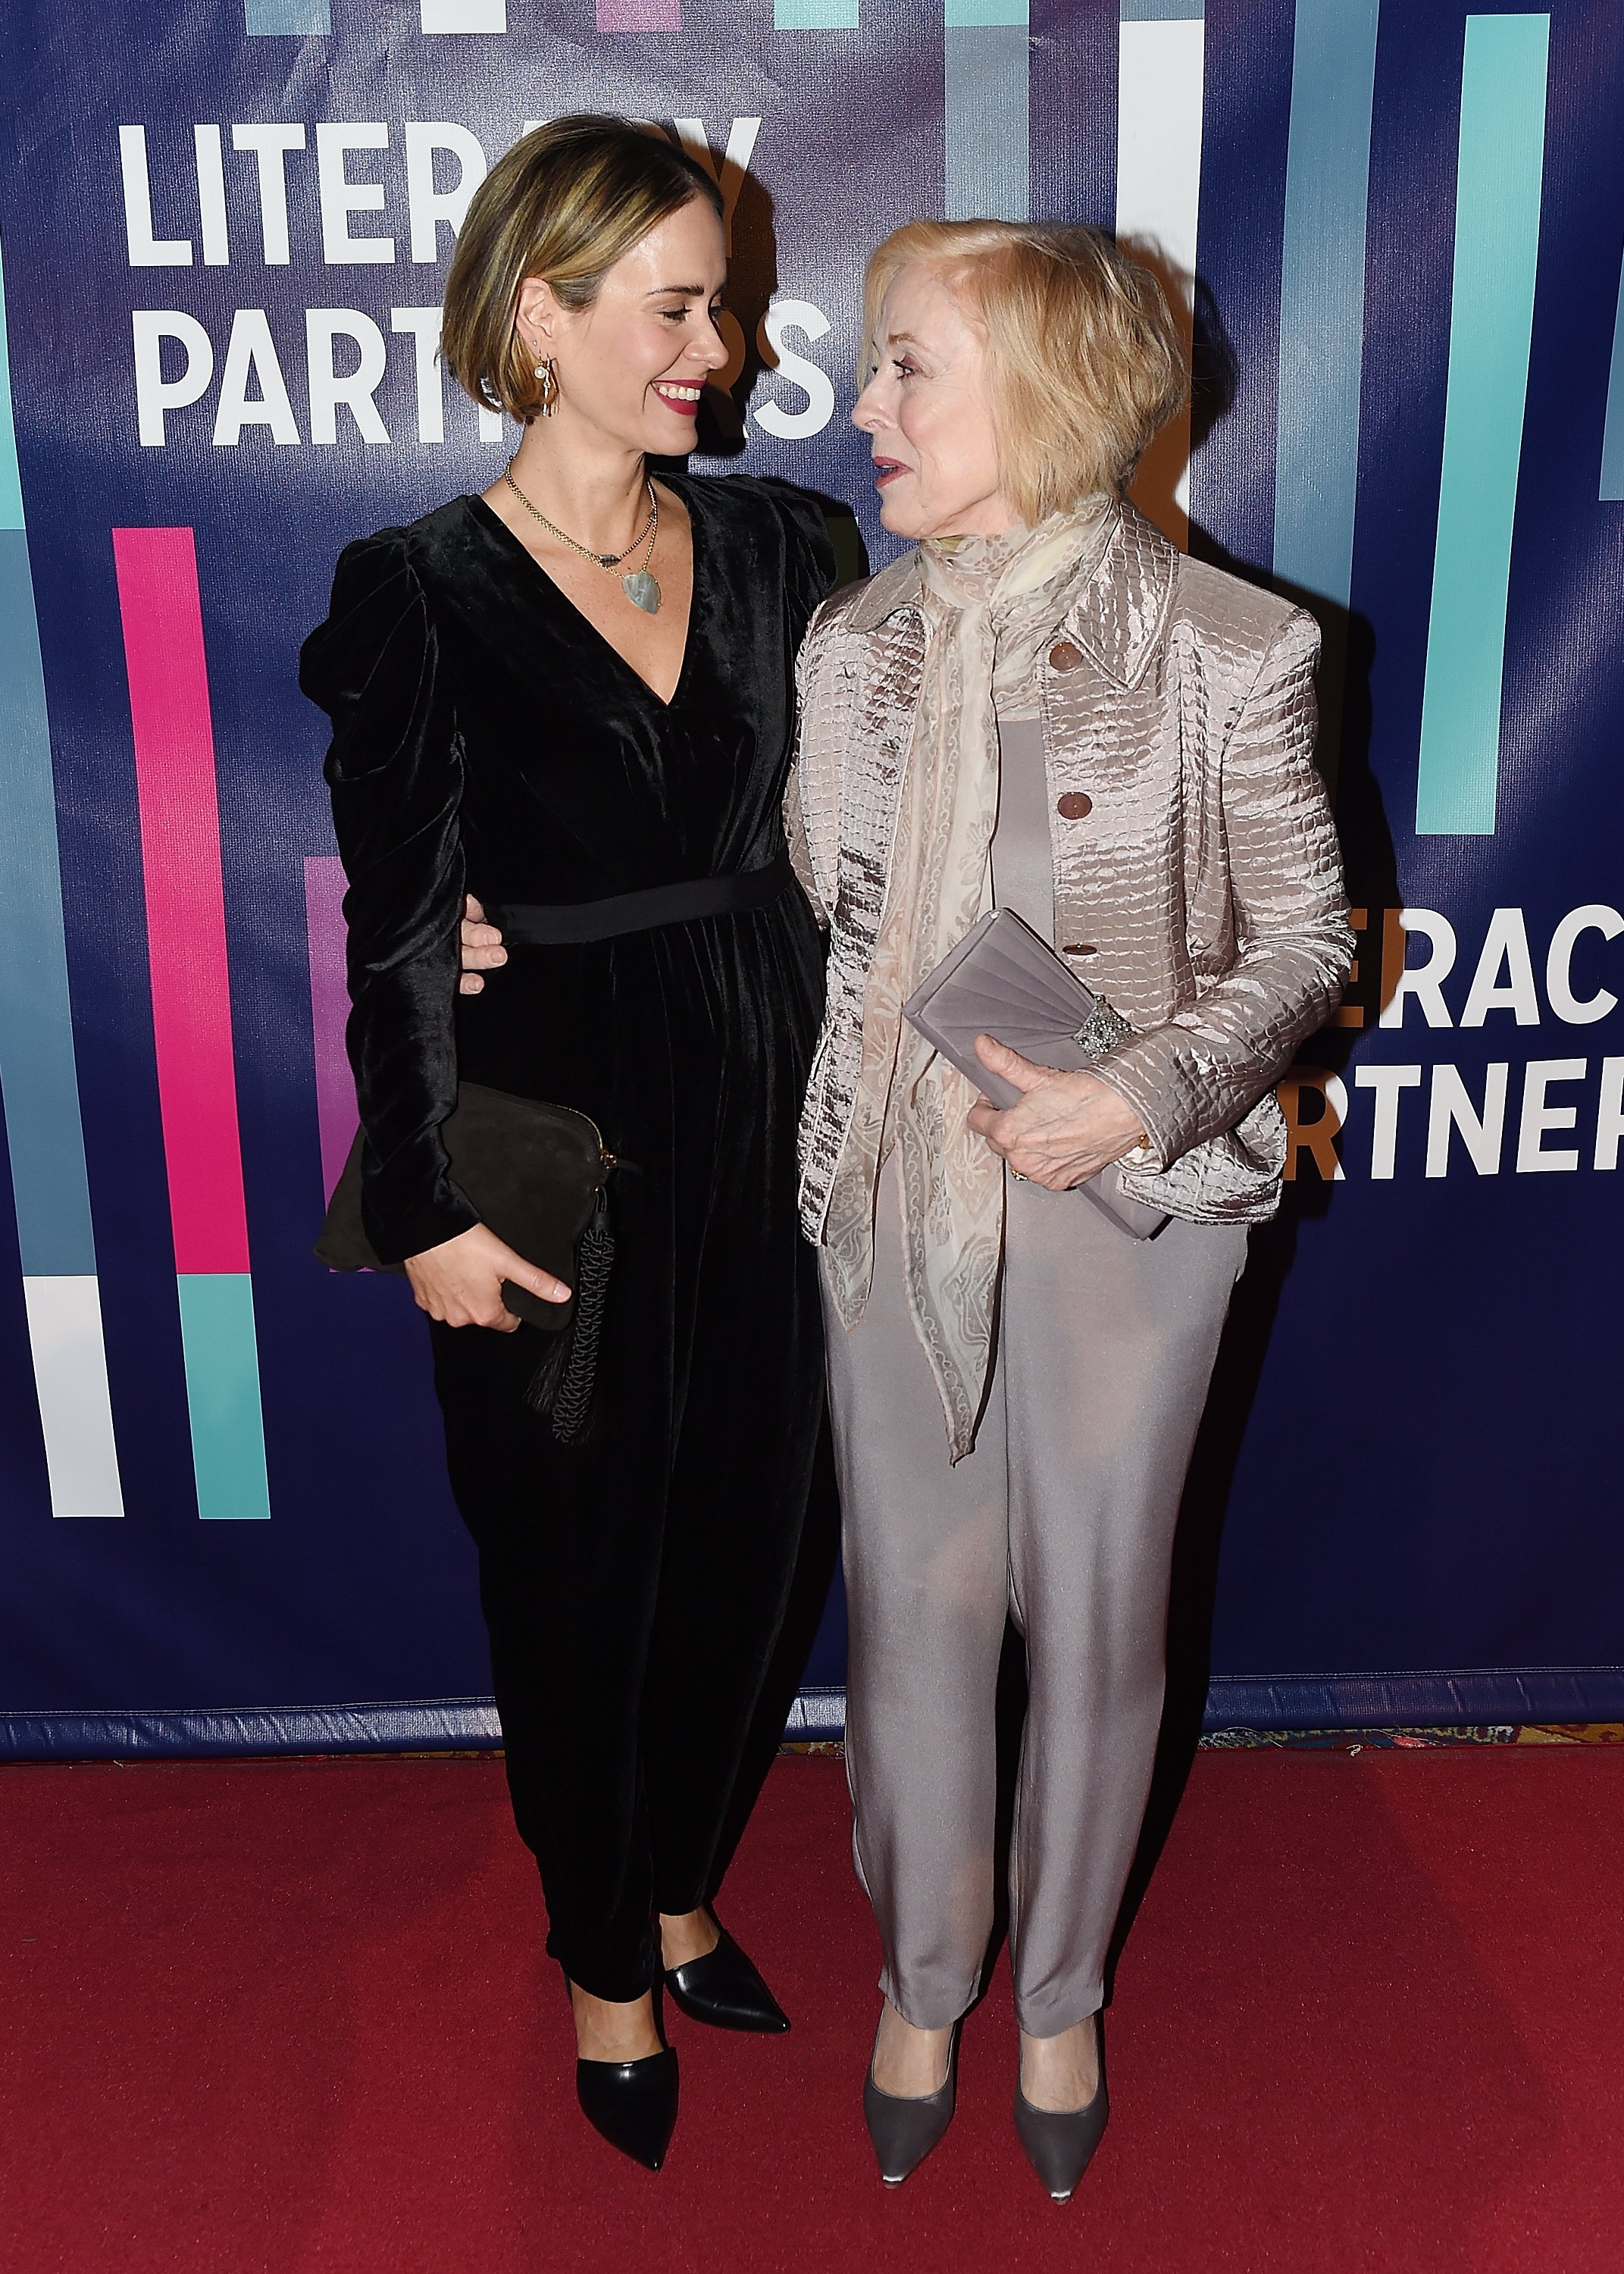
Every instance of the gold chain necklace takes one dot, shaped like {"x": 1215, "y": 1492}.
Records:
{"x": 641, "y": 587}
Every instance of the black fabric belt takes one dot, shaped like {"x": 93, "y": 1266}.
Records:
{"x": 625, "y": 912}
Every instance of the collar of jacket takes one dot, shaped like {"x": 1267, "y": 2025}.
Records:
{"x": 1117, "y": 619}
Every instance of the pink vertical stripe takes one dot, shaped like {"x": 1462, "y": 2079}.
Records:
{"x": 640, "y": 15}
{"x": 330, "y": 1008}
{"x": 186, "y": 899}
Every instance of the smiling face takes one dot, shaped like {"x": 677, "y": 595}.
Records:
{"x": 632, "y": 366}
{"x": 928, "y": 417}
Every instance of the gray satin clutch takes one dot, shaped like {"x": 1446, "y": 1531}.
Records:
{"x": 1003, "y": 979}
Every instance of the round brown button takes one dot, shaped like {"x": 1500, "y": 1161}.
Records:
{"x": 1064, "y": 656}
{"x": 1074, "y": 805}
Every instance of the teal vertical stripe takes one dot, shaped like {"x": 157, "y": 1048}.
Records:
{"x": 1491, "y": 324}
{"x": 1322, "y": 295}
{"x": 11, "y": 477}
{"x": 38, "y": 1076}
{"x": 37, "y": 1069}
{"x": 222, "y": 1395}
{"x": 814, "y": 15}
{"x": 287, "y": 16}
{"x": 960, "y": 15}
{"x": 1613, "y": 434}
{"x": 986, "y": 65}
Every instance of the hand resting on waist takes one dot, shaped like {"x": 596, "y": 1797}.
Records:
{"x": 482, "y": 948}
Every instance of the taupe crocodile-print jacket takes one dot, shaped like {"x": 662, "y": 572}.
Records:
{"x": 1197, "y": 881}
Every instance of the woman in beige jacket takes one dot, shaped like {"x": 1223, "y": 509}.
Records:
{"x": 1042, "y": 705}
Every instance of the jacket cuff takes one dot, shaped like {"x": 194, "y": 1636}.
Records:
{"x": 1143, "y": 1073}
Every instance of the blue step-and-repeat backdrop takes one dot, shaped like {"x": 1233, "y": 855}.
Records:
{"x": 1396, "y": 230}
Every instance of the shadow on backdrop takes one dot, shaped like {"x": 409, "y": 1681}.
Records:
{"x": 1344, "y": 687}
{"x": 752, "y": 281}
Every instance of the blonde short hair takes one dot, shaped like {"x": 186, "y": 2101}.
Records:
{"x": 1085, "y": 360}
{"x": 565, "y": 202}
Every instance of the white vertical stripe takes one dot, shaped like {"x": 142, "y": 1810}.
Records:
{"x": 465, "y": 15}
{"x": 69, "y": 1373}
{"x": 1159, "y": 83}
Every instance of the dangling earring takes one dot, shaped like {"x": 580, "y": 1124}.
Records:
{"x": 548, "y": 377}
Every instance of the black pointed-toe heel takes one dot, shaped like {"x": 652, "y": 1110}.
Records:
{"x": 723, "y": 1989}
{"x": 632, "y": 2103}
{"x": 1060, "y": 2142}
{"x": 904, "y": 2129}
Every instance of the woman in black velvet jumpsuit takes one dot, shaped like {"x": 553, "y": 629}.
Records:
{"x": 494, "y": 735}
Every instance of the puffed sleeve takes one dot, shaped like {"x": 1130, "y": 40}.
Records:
{"x": 395, "y": 770}
{"x": 809, "y": 564}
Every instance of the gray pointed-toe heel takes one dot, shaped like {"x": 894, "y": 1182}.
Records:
{"x": 904, "y": 2129}
{"x": 1060, "y": 2142}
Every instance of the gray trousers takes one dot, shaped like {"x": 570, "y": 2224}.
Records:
{"x": 1062, "y": 1517}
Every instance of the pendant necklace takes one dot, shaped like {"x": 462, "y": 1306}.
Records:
{"x": 640, "y": 586}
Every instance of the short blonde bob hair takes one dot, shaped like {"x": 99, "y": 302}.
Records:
{"x": 1084, "y": 358}
{"x": 565, "y": 202}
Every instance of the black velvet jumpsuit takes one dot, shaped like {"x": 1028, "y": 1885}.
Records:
{"x": 487, "y": 739}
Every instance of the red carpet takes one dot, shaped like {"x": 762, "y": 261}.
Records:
{"x": 291, "y": 2017}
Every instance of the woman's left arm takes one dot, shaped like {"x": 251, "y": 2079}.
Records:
{"x": 1180, "y": 1083}
{"x": 1204, "y": 1070}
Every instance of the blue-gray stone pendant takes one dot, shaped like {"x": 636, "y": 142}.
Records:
{"x": 643, "y": 590}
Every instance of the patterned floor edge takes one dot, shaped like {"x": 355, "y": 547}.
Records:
{"x": 1356, "y": 1741}
{"x": 1360, "y": 1741}
{"x": 1215, "y": 1741}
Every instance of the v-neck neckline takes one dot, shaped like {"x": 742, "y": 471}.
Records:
{"x": 630, "y": 669}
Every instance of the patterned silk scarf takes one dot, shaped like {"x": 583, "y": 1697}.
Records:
{"x": 991, "y": 605}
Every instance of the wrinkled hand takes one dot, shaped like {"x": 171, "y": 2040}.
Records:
{"x": 1067, "y": 1127}
{"x": 482, "y": 948}
{"x": 461, "y": 1281}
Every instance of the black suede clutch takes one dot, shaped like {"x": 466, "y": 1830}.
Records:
{"x": 538, "y": 1175}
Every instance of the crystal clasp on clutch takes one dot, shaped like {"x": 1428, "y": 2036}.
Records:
{"x": 1101, "y": 1030}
